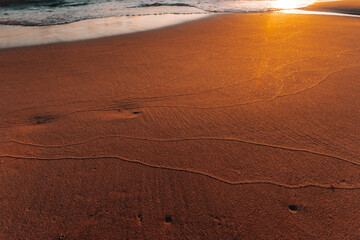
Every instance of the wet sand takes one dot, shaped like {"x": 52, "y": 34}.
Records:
{"x": 343, "y": 6}
{"x": 20, "y": 36}
{"x": 232, "y": 127}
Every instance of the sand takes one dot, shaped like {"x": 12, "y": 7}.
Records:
{"x": 342, "y": 6}
{"x": 22, "y": 36}
{"x": 232, "y": 127}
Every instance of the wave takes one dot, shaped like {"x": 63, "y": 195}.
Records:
{"x": 159, "y": 4}
{"x": 44, "y": 13}
{"x": 24, "y": 4}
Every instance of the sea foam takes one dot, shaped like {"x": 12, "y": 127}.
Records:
{"x": 43, "y": 13}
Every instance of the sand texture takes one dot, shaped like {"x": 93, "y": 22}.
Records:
{"x": 343, "y": 6}
{"x": 207, "y": 130}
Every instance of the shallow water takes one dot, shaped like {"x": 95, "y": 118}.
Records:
{"x": 35, "y": 22}
{"x": 42, "y": 13}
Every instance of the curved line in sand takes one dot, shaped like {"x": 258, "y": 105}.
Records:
{"x": 135, "y": 100}
{"x": 154, "y": 98}
{"x": 252, "y": 102}
{"x": 188, "y": 139}
{"x": 140, "y": 101}
{"x": 157, "y": 98}
{"x": 300, "y": 186}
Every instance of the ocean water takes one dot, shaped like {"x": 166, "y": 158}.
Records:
{"x": 45, "y": 13}
{"x": 37, "y": 22}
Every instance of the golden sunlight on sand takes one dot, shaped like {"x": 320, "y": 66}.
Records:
{"x": 236, "y": 126}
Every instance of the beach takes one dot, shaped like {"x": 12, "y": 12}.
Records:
{"x": 236, "y": 126}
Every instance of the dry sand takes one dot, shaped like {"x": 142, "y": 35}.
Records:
{"x": 206, "y": 130}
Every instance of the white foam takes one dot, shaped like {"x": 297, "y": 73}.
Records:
{"x": 19, "y": 36}
{"x": 75, "y": 10}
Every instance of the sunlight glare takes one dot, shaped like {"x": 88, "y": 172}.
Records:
{"x": 288, "y": 4}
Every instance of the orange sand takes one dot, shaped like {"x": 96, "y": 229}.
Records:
{"x": 206, "y": 130}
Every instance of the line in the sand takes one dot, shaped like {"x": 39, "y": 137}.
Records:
{"x": 189, "y": 139}
{"x": 329, "y": 186}
{"x": 250, "y": 102}
{"x": 223, "y": 106}
{"x": 157, "y": 98}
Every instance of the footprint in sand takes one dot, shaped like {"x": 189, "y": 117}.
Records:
{"x": 168, "y": 219}
{"x": 139, "y": 218}
{"x": 293, "y": 208}
{"x": 43, "y": 119}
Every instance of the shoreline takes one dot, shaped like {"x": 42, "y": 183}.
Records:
{"x": 28, "y": 36}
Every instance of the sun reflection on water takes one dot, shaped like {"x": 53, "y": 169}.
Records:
{"x": 290, "y": 4}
